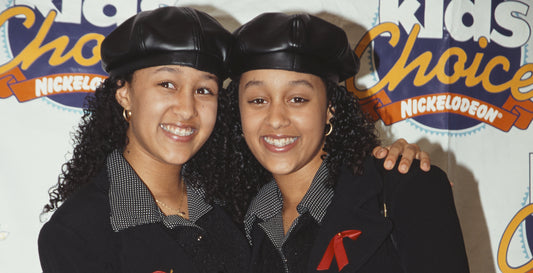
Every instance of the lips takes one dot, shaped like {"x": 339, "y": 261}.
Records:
{"x": 280, "y": 142}
{"x": 177, "y": 130}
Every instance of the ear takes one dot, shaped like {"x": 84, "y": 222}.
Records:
{"x": 123, "y": 96}
{"x": 329, "y": 113}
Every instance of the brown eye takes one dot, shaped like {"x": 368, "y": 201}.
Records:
{"x": 167, "y": 85}
{"x": 204, "y": 91}
{"x": 298, "y": 100}
{"x": 258, "y": 101}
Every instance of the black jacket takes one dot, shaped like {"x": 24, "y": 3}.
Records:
{"x": 420, "y": 234}
{"x": 79, "y": 238}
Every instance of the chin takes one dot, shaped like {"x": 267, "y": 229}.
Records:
{"x": 177, "y": 160}
{"x": 278, "y": 169}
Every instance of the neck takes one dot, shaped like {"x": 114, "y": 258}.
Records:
{"x": 161, "y": 179}
{"x": 294, "y": 186}
{"x": 293, "y": 189}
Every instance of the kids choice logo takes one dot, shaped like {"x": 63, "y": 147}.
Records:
{"x": 520, "y": 226}
{"x": 449, "y": 65}
{"x": 52, "y": 48}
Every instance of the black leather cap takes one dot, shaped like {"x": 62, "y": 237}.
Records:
{"x": 168, "y": 35}
{"x": 302, "y": 43}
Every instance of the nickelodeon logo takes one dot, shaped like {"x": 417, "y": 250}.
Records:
{"x": 447, "y": 103}
{"x": 15, "y": 83}
{"x": 469, "y": 78}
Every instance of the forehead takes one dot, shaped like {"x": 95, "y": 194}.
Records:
{"x": 279, "y": 78}
{"x": 174, "y": 70}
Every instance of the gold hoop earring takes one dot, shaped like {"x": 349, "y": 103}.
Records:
{"x": 126, "y": 114}
{"x": 330, "y": 129}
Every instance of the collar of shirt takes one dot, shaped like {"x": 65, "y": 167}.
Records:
{"x": 269, "y": 202}
{"x": 132, "y": 203}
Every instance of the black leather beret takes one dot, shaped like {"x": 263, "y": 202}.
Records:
{"x": 168, "y": 35}
{"x": 301, "y": 42}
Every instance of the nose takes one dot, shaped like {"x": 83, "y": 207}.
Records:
{"x": 185, "y": 104}
{"x": 277, "y": 116}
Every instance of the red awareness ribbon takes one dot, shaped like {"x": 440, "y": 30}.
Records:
{"x": 336, "y": 248}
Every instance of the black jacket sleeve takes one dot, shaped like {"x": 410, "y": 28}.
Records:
{"x": 426, "y": 229}
{"x": 62, "y": 249}
{"x": 78, "y": 237}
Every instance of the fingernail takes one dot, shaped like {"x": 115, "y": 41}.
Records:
{"x": 388, "y": 164}
{"x": 403, "y": 168}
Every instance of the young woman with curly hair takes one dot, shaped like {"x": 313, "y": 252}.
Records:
{"x": 138, "y": 194}
{"x": 304, "y": 140}
{"x": 145, "y": 190}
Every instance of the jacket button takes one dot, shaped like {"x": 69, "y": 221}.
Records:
{"x": 199, "y": 238}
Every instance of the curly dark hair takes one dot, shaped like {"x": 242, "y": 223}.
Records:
{"x": 351, "y": 141}
{"x": 102, "y": 129}
{"x": 353, "y": 136}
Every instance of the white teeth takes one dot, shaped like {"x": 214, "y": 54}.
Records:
{"x": 177, "y": 130}
{"x": 280, "y": 142}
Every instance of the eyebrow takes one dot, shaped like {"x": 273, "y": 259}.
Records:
{"x": 253, "y": 83}
{"x": 169, "y": 69}
{"x": 301, "y": 82}
{"x": 292, "y": 83}
{"x": 210, "y": 76}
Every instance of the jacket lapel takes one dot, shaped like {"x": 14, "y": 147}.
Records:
{"x": 355, "y": 206}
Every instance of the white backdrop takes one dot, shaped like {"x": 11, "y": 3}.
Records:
{"x": 490, "y": 161}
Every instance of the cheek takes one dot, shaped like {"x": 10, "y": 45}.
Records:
{"x": 245, "y": 116}
{"x": 144, "y": 112}
{"x": 312, "y": 122}
{"x": 249, "y": 121}
{"x": 146, "y": 103}
{"x": 208, "y": 112}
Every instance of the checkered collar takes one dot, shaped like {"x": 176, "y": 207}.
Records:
{"x": 132, "y": 203}
{"x": 269, "y": 202}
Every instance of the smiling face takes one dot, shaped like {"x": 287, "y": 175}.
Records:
{"x": 173, "y": 112}
{"x": 283, "y": 117}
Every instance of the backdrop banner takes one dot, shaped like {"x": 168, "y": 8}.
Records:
{"x": 453, "y": 76}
